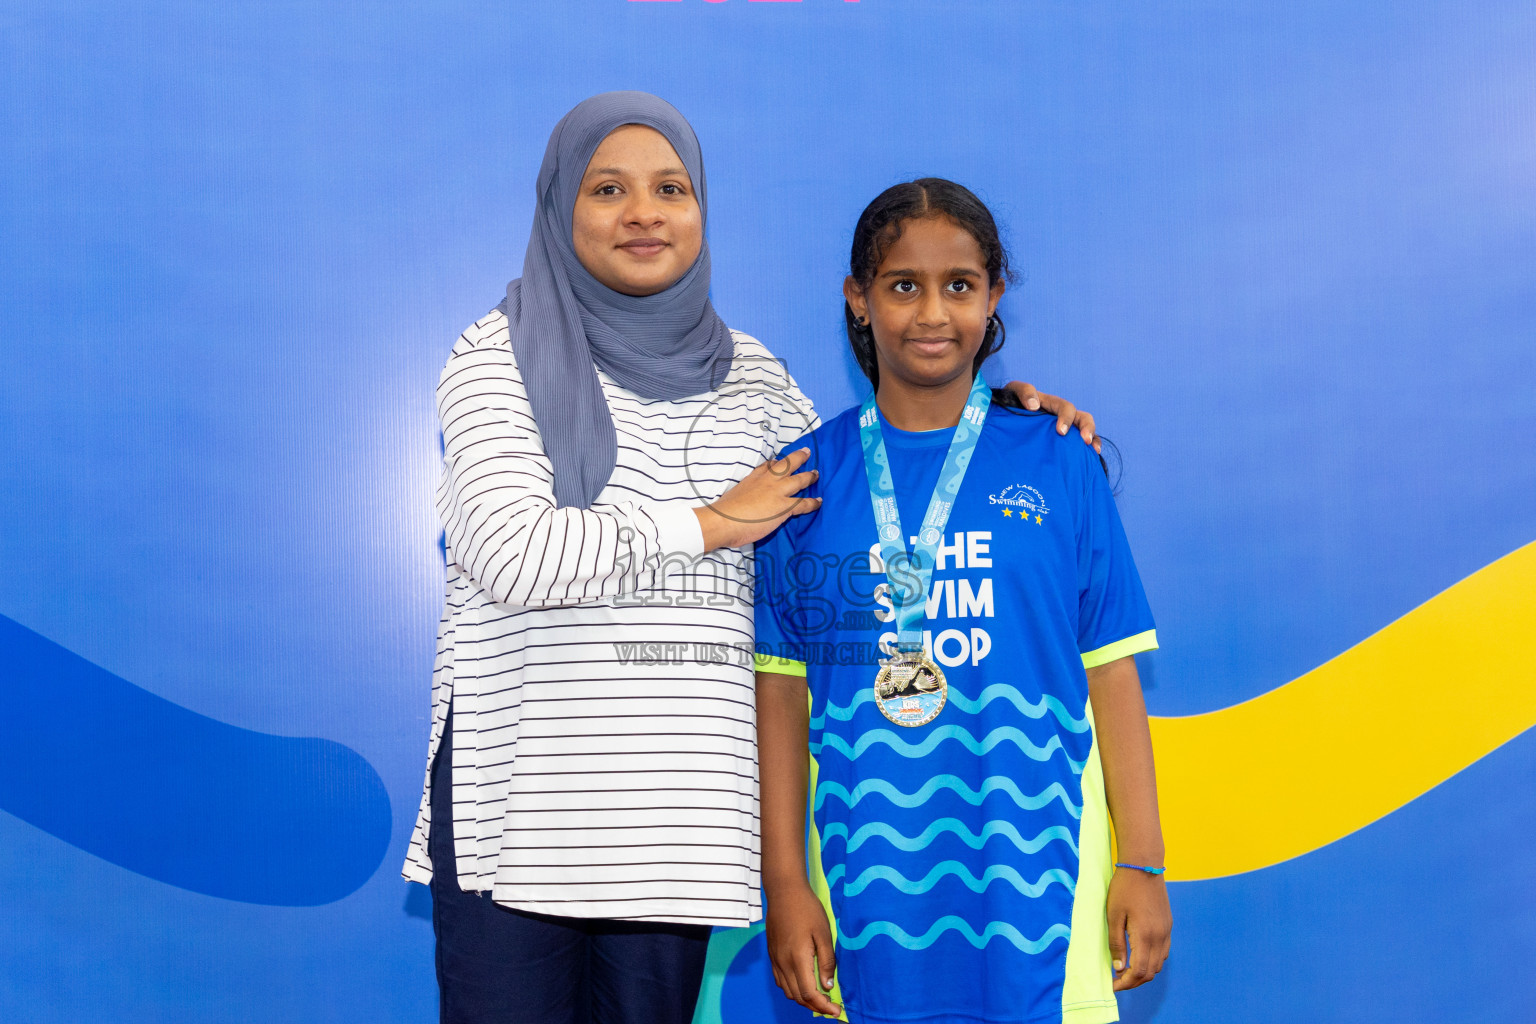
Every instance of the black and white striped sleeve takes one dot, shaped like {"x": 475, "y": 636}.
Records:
{"x": 497, "y": 506}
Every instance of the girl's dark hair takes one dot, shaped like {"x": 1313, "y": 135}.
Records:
{"x": 880, "y": 225}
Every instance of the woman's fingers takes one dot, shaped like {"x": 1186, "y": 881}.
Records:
{"x": 790, "y": 463}
{"x": 1069, "y": 416}
{"x": 753, "y": 508}
{"x": 800, "y": 481}
{"x": 796, "y": 482}
{"x": 1065, "y": 412}
{"x": 1085, "y": 426}
{"x": 1027, "y": 395}
{"x": 789, "y": 481}
{"x": 805, "y": 505}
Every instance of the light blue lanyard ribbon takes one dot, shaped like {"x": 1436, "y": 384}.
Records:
{"x": 908, "y": 589}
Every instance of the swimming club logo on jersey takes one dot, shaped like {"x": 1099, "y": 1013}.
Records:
{"x": 1022, "y": 502}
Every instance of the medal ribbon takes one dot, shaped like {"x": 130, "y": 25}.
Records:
{"x": 911, "y": 600}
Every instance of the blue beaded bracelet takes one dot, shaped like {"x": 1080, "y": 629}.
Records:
{"x": 1140, "y": 867}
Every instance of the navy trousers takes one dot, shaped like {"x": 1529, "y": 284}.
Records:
{"x": 496, "y": 965}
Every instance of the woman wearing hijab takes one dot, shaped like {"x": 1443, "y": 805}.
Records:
{"x": 591, "y": 800}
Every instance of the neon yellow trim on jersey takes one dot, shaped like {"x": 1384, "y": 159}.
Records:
{"x": 1088, "y": 988}
{"x": 1355, "y": 738}
{"x": 819, "y": 877}
{"x": 781, "y": 666}
{"x": 1121, "y": 648}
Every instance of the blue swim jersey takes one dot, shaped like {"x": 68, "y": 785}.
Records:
{"x": 964, "y": 862}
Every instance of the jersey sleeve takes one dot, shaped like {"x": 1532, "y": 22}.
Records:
{"x": 1114, "y": 619}
{"x": 780, "y": 642}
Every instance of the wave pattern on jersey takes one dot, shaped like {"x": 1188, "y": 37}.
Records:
{"x": 921, "y": 841}
{"x": 943, "y": 869}
{"x": 1002, "y": 734}
{"x": 993, "y": 929}
{"x": 997, "y": 691}
{"x": 973, "y": 796}
{"x": 971, "y": 868}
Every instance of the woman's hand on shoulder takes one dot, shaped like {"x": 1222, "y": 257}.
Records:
{"x": 1138, "y": 906}
{"x": 800, "y": 948}
{"x": 1067, "y": 414}
{"x": 753, "y": 508}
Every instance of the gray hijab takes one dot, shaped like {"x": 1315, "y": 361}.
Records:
{"x": 565, "y": 324}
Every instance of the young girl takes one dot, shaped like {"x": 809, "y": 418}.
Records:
{"x": 962, "y": 610}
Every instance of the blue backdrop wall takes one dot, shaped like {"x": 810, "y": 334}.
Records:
{"x": 1286, "y": 252}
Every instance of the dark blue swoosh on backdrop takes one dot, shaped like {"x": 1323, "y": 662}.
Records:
{"x": 176, "y": 796}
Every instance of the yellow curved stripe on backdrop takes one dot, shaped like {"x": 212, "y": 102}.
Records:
{"x": 1357, "y": 737}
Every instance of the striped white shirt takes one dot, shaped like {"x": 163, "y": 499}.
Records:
{"x": 597, "y": 660}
